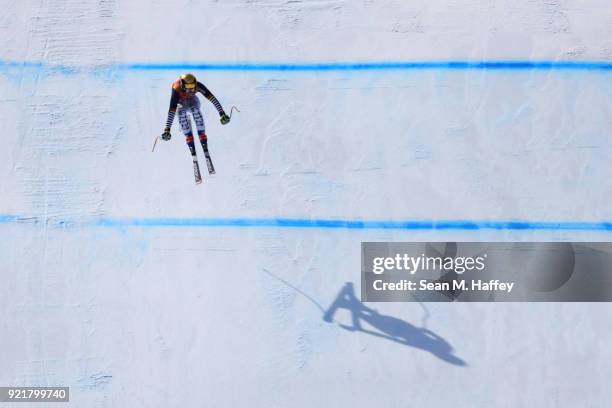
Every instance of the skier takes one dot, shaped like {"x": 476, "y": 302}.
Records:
{"x": 184, "y": 97}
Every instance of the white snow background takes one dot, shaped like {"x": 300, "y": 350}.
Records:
{"x": 221, "y": 316}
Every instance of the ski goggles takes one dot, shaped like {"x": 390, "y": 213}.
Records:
{"x": 190, "y": 87}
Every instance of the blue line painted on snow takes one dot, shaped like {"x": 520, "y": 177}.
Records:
{"x": 511, "y": 65}
{"x": 423, "y": 225}
{"x": 377, "y": 66}
{"x": 5, "y": 218}
{"x": 410, "y": 225}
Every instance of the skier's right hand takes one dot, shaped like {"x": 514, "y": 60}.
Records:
{"x": 224, "y": 118}
{"x": 166, "y": 135}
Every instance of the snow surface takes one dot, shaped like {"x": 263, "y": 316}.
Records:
{"x": 224, "y": 316}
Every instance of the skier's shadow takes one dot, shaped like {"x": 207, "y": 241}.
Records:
{"x": 390, "y": 328}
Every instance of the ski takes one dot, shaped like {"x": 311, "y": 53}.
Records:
{"x": 196, "y": 170}
{"x": 209, "y": 163}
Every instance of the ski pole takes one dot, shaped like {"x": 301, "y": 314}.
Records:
{"x": 154, "y": 144}
{"x": 232, "y": 111}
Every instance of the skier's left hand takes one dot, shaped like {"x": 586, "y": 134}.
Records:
{"x": 166, "y": 135}
{"x": 224, "y": 118}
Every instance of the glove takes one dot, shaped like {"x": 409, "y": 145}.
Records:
{"x": 224, "y": 118}
{"x": 166, "y": 135}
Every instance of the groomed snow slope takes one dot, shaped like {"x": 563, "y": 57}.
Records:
{"x": 165, "y": 316}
